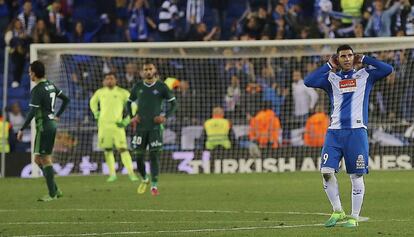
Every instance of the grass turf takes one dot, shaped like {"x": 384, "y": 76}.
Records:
{"x": 267, "y": 204}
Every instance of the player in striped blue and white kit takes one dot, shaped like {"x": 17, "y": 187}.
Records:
{"x": 348, "y": 90}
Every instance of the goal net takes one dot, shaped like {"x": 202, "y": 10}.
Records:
{"x": 244, "y": 79}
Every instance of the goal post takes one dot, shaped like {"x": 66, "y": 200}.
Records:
{"x": 241, "y": 77}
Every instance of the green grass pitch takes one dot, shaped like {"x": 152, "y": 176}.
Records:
{"x": 267, "y": 204}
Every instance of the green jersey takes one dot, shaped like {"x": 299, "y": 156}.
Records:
{"x": 110, "y": 103}
{"x": 43, "y": 97}
{"x": 150, "y": 99}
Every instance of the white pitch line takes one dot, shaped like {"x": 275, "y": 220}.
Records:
{"x": 167, "y": 222}
{"x": 181, "y": 231}
{"x": 136, "y": 222}
{"x": 362, "y": 219}
{"x": 167, "y": 211}
{"x": 176, "y": 231}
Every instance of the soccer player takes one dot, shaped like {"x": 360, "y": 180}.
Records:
{"x": 42, "y": 108}
{"x": 107, "y": 105}
{"x": 150, "y": 95}
{"x": 347, "y": 137}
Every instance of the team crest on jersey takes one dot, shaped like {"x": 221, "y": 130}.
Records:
{"x": 348, "y": 85}
{"x": 360, "y": 162}
{"x": 156, "y": 144}
{"x": 155, "y": 92}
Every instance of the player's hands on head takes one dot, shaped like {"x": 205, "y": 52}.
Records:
{"x": 333, "y": 60}
{"x": 159, "y": 119}
{"x": 358, "y": 58}
{"x": 19, "y": 135}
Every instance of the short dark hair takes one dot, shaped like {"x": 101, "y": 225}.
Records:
{"x": 38, "y": 68}
{"x": 109, "y": 74}
{"x": 344, "y": 47}
{"x": 148, "y": 62}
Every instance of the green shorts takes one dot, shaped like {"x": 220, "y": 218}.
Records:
{"x": 110, "y": 136}
{"x": 151, "y": 138}
{"x": 45, "y": 138}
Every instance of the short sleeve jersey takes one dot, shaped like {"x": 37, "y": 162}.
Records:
{"x": 150, "y": 99}
{"x": 43, "y": 97}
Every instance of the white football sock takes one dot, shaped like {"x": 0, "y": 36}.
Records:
{"x": 331, "y": 189}
{"x": 358, "y": 190}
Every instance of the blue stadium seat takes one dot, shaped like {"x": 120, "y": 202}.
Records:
{"x": 236, "y": 8}
{"x": 208, "y": 17}
{"x": 88, "y": 16}
{"x": 25, "y": 82}
{"x": 17, "y": 93}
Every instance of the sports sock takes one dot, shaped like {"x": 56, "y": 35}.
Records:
{"x": 154, "y": 163}
{"x": 358, "y": 191}
{"x": 331, "y": 190}
{"x": 110, "y": 162}
{"x": 127, "y": 161}
{"x": 49, "y": 176}
{"x": 43, "y": 172}
{"x": 139, "y": 157}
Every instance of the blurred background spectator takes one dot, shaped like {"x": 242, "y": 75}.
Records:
{"x": 217, "y": 131}
{"x": 265, "y": 128}
{"x": 140, "y": 23}
{"x": 8, "y": 134}
{"x": 18, "y": 41}
{"x": 41, "y": 33}
{"x": 379, "y": 24}
{"x": 27, "y": 18}
{"x": 57, "y": 23}
{"x": 316, "y": 127}
{"x": 16, "y": 117}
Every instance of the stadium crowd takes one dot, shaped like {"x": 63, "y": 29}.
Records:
{"x": 246, "y": 87}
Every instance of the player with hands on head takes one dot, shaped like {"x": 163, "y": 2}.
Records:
{"x": 348, "y": 90}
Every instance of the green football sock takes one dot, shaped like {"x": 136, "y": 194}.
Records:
{"x": 43, "y": 172}
{"x": 110, "y": 162}
{"x": 155, "y": 168}
{"x": 49, "y": 175}
{"x": 127, "y": 161}
{"x": 139, "y": 157}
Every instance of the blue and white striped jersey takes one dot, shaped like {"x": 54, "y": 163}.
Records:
{"x": 349, "y": 91}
